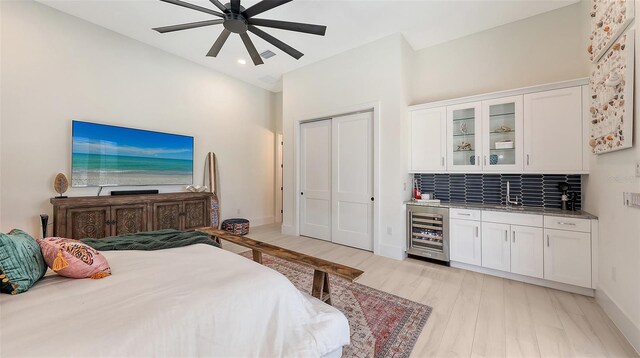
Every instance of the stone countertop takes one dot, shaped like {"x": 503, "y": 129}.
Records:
{"x": 579, "y": 214}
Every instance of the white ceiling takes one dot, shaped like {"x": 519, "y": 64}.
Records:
{"x": 351, "y": 23}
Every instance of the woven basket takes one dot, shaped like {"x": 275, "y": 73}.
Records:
{"x": 236, "y": 226}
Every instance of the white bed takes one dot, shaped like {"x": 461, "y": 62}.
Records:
{"x": 190, "y": 301}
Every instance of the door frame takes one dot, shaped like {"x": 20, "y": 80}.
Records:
{"x": 364, "y": 107}
{"x": 279, "y": 175}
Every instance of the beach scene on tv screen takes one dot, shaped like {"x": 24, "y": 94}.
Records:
{"x": 107, "y": 155}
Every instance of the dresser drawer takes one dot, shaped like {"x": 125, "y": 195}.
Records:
{"x": 465, "y": 214}
{"x": 502, "y": 217}
{"x": 571, "y": 224}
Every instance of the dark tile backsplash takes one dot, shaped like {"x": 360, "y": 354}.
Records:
{"x": 533, "y": 189}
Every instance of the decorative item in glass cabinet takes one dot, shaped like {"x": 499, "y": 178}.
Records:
{"x": 463, "y": 128}
{"x": 464, "y": 146}
{"x": 503, "y": 129}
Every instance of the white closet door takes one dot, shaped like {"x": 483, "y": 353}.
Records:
{"x": 315, "y": 179}
{"x": 352, "y": 204}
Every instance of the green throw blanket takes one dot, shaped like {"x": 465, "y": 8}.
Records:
{"x": 151, "y": 240}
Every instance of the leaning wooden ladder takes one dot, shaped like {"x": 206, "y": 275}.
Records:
{"x": 321, "y": 268}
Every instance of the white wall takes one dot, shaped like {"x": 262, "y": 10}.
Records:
{"x": 619, "y": 247}
{"x": 546, "y": 48}
{"x": 56, "y": 68}
{"x": 550, "y": 47}
{"x": 369, "y": 74}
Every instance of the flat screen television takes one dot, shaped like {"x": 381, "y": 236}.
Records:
{"x": 104, "y": 155}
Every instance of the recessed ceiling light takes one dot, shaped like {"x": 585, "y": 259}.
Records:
{"x": 242, "y": 61}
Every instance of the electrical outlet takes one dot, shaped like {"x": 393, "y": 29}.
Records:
{"x": 613, "y": 274}
{"x": 638, "y": 170}
{"x": 389, "y": 230}
{"x": 632, "y": 200}
{"x": 404, "y": 185}
{"x": 238, "y": 212}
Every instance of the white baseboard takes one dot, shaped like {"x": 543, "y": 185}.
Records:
{"x": 532, "y": 280}
{"x": 619, "y": 318}
{"x": 288, "y": 230}
{"x": 262, "y": 221}
{"x": 392, "y": 252}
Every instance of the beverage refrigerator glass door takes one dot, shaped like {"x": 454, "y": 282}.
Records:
{"x": 428, "y": 232}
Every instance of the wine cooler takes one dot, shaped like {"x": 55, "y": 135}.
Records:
{"x": 428, "y": 232}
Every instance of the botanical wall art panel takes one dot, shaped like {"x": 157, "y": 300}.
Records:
{"x": 609, "y": 18}
{"x": 612, "y": 97}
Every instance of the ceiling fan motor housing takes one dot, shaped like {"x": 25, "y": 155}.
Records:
{"x": 235, "y": 23}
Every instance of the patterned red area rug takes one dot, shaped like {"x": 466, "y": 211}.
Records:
{"x": 382, "y": 325}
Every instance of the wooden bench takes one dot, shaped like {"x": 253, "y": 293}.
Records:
{"x": 321, "y": 268}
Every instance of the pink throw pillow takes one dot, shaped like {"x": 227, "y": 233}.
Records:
{"x": 72, "y": 258}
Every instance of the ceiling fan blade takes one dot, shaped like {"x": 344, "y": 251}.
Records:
{"x": 194, "y": 7}
{"x": 191, "y": 25}
{"x": 217, "y": 46}
{"x": 219, "y": 5}
{"x": 255, "y": 56}
{"x": 235, "y": 6}
{"x": 277, "y": 43}
{"x": 262, "y": 6}
{"x": 291, "y": 26}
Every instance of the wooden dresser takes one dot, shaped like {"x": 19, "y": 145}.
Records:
{"x": 102, "y": 216}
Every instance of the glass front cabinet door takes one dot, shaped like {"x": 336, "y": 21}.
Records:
{"x": 502, "y": 137}
{"x": 464, "y": 137}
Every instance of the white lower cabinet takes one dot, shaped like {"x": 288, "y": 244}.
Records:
{"x": 567, "y": 257}
{"x": 550, "y": 248}
{"x": 495, "y": 246}
{"x": 527, "y": 251}
{"x": 465, "y": 241}
{"x": 512, "y": 248}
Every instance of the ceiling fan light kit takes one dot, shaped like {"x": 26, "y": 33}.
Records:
{"x": 236, "y": 19}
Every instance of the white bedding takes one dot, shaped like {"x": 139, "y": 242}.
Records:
{"x": 190, "y": 301}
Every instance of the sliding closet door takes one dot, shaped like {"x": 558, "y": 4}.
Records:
{"x": 315, "y": 179}
{"x": 352, "y": 180}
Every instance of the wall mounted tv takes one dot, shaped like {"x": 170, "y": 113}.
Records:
{"x": 104, "y": 155}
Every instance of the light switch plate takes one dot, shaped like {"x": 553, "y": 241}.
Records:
{"x": 632, "y": 200}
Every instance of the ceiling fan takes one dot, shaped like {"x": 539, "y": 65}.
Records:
{"x": 239, "y": 20}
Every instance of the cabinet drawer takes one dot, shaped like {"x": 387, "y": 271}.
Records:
{"x": 465, "y": 214}
{"x": 512, "y": 218}
{"x": 562, "y": 223}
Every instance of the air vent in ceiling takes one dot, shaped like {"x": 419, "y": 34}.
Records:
{"x": 267, "y": 54}
{"x": 269, "y": 79}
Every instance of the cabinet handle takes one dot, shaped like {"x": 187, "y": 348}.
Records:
{"x": 464, "y": 214}
{"x": 477, "y": 231}
{"x": 527, "y": 159}
{"x": 514, "y": 237}
{"x": 506, "y": 236}
{"x": 564, "y": 223}
{"x": 442, "y": 160}
{"x": 485, "y": 160}
{"x": 547, "y": 240}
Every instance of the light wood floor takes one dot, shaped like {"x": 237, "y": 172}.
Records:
{"x": 475, "y": 314}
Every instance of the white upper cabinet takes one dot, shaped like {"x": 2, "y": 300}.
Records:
{"x": 554, "y": 140}
{"x": 532, "y": 130}
{"x": 428, "y": 140}
{"x": 464, "y": 137}
{"x": 502, "y": 126}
